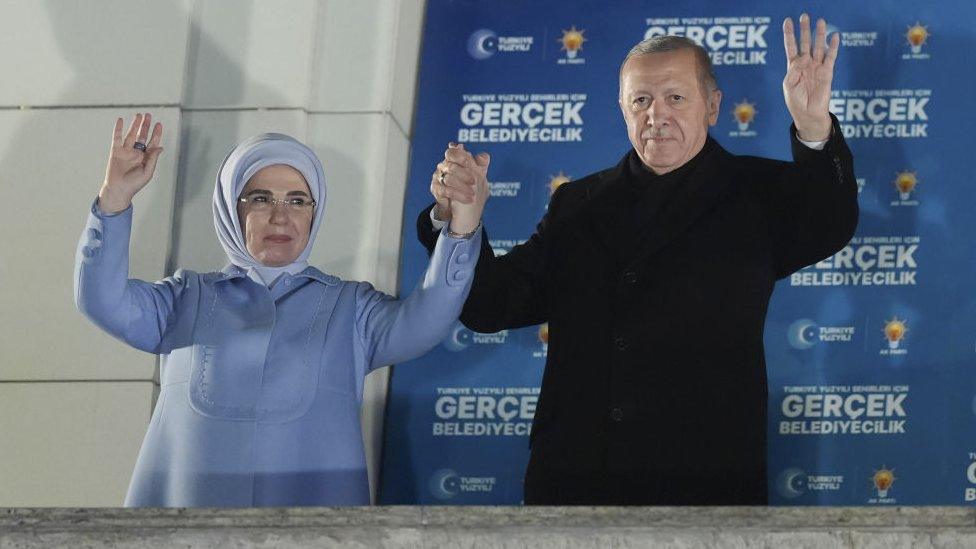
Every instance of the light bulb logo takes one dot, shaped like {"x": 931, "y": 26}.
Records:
{"x": 544, "y": 334}
{"x": 894, "y": 331}
{"x": 905, "y": 182}
{"x": 883, "y": 479}
{"x": 556, "y": 181}
{"x": 744, "y": 113}
{"x": 572, "y": 41}
{"x": 917, "y": 35}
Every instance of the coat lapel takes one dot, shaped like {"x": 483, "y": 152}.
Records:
{"x": 604, "y": 212}
{"x": 702, "y": 189}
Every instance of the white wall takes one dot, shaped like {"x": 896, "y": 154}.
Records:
{"x": 337, "y": 74}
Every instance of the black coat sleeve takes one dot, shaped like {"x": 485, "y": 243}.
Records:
{"x": 508, "y": 291}
{"x": 814, "y": 203}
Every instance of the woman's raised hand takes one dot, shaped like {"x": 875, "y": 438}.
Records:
{"x": 131, "y": 162}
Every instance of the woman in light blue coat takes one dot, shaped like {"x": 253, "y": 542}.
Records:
{"x": 262, "y": 364}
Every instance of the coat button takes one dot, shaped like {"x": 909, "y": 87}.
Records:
{"x": 616, "y": 413}
{"x": 462, "y": 258}
{"x": 630, "y": 277}
{"x": 620, "y": 343}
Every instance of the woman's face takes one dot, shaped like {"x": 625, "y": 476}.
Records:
{"x": 275, "y": 234}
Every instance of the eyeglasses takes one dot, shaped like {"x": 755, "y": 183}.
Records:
{"x": 264, "y": 203}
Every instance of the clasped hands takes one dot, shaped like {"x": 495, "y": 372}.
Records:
{"x": 459, "y": 184}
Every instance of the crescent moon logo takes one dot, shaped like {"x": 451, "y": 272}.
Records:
{"x": 482, "y": 44}
{"x": 443, "y": 484}
{"x": 459, "y": 339}
{"x": 802, "y": 334}
{"x": 791, "y": 483}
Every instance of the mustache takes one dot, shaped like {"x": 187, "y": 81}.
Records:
{"x": 659, "y": 133}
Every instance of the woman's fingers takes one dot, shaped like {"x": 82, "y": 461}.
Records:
{"x": 442, "y": 193}
{"x": 117, "y": 133}
{"x": 458, "y": 174}
{"x": 130, "y": 136}
{"x": 152, "y": 155}
{"x": 156, "y": 137}
{"x": 457, "y": 183}
{"x": 451, "y": 185}
{"x": 143, "y": 135}
{"x": 153, "y": 150}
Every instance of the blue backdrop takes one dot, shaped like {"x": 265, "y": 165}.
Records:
{"x": 871, "y": 353}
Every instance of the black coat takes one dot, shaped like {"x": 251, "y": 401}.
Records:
{"x": 655, "y": 387}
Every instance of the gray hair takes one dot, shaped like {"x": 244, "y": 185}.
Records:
{"x": 661, "y": 44}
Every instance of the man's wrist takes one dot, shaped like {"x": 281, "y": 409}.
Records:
{"x": 440, "y": 214}
{"x": 815, "y": 134}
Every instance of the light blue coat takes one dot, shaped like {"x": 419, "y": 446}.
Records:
{"x": 260, "y": 389}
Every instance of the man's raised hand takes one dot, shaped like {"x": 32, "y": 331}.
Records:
{"x": 809, "y": 73}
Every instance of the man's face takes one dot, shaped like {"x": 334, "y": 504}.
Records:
{"x": 666, "y": 108}
{"x": 275, "y": 234}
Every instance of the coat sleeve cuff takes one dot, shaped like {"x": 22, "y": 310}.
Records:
{"x": 117, "y": 226}
{"x": 462, "y": 257}
{"x": 805, "y": 153}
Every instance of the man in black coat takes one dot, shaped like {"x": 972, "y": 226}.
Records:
{"x": 655, "y": 276}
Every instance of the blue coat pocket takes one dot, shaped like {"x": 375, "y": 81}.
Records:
{"x": 255, "y": 360}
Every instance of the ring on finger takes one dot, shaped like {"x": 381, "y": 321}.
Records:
{"x": 138, "y": 145}
{"x": 440, "y": 177}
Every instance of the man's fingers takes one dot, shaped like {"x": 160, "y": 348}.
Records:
{"x": 483, "y": 159}
{"x": 804, "y": 34}
{"x": 130, "y": 136}
{"x": 460, "y": 156}
{"x": 452, "y": 193}
{"x": 455, "y": 187}
{"x": 449, "y": 166}
{"x": 820, "y": 41}
{"x": 454, "y": 181}
{"x": 457, "y": 172}
{"x": 833, "y": 49}
{"x": 789, "y": 39}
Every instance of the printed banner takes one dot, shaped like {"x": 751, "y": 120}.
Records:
{"x": 871, "y": 353}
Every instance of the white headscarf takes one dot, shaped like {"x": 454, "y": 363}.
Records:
{"x": 238, "y": 167}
